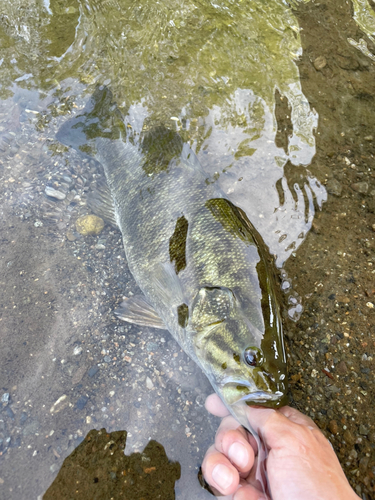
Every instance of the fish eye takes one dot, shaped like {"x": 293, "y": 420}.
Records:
{"x": 253, "y": 356}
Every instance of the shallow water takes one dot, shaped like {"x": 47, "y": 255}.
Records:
{"x": 279, "y": 106}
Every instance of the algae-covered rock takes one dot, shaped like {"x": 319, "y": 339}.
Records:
{"x": 89, "y": 225}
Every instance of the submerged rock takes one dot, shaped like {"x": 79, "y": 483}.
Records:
{"x": 89, "y": 225}
{"x": 360, "y": 187}
{"x": 334, "y": 187}
{"x": 320, "y": 63}
{"x": 54, "y": 193}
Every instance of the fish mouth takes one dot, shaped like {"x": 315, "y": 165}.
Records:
{"x": 248, "y": 392}
{"x": 261, "y": 397}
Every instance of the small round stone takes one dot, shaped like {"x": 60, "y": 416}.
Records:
{"x": 89, "y": 225}
{"x": 320, "y": 62}
{"x": 333, "y": 427}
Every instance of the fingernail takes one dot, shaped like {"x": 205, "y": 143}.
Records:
{"x": 238, "y": 455}
{"x": 222, "y": 476}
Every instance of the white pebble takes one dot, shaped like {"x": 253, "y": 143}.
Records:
{"x": 54, "y": 193}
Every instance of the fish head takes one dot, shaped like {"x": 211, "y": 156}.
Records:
{"x": 242, "y": 362}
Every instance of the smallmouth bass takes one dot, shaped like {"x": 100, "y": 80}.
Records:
{"x": 205, "y": 273}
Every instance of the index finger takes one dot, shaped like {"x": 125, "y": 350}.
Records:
{"x": 215, "y": 406}
{"x": 280, "y": 428}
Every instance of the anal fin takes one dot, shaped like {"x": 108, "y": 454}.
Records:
{"x": 136, "y": 310}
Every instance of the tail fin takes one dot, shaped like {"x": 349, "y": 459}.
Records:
{"x": 100, "y": 118}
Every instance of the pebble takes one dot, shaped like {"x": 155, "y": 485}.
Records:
{"x": 81, "y": 403}
{"x": 149, "y": 383}
{"x": 107, "y": 359}
{"x": 5, "y": 397}
{"x": 360, "y": 187}
{"x": 334, "y": 187}
{"x": 342, "y": 369}
{"x": 333, "y": 427}
{"x": 348, "y": 436}
{"x": 363, "y": 430}
{"x": 89, "y": 225}
{"x": 54, "y": 193}
{"x": 60, "y": 404}
{"x": 93, "y": 370}
{"x": 70, "y": 236}
{"x": 320, "y": 63}
{"x": 77, "y": 350}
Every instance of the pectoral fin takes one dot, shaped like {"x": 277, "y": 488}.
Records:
{"x": 136, "y": 310}
{"x": 101, "y": 203}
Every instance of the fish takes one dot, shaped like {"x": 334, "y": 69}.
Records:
{"x": 205, "y": 273}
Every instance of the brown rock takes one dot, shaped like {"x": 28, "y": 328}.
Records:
{"x": 333, "y": 427}
{"x": 70, "y": 236}
{"x": 348, "y": 436}
{"x": 342, "y": 369}
{"x": 343, "y": 298}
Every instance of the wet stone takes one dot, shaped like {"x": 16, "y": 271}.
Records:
{"x": 333, "y": 427}
{"x": 81, "y": 403}
{"x": 5, "y": 397}
{"x": 320, "y": 63}
{"x": 89, "y": 225}
{"x": 363, "y": 430}
{"x": 60, "y": 404}
{"x": 360, "y": 187}
{"x": 348, "y": 437}
{"x": 332, "y": 389}
{"x": 54, "y": 193}
{"x": 149, "y": 383}
{"x": 334, "y": 187}
{"x": 70, "y": 236}
{"x": 342, "y": 369}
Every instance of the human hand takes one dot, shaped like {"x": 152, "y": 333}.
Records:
{"x": 301, "y": 463}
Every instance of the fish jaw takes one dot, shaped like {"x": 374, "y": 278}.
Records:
{"x": 257, "y": 390}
